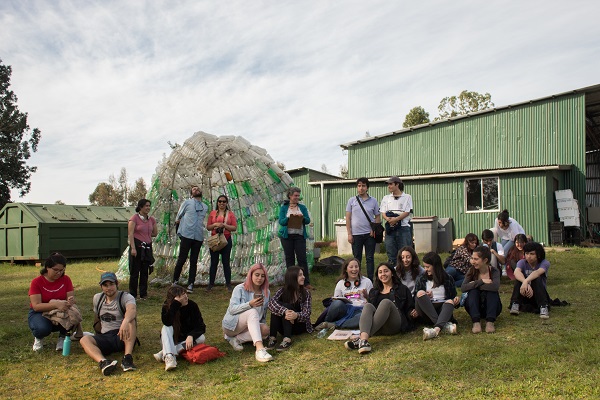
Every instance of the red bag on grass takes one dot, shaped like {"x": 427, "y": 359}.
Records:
{"x": 201, "y": 353}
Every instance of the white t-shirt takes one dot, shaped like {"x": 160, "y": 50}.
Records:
{"x": 439, "y": 293}
{"x": 514, "y": 228}
{"x": 408, "y": 281}
{"x": 402, "y": 203}
{"x": 353, "y": 293}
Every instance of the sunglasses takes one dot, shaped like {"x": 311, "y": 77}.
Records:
{"x": 221, "y": 201}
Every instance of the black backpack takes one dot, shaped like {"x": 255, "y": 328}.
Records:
{"x": 98, "y": 323}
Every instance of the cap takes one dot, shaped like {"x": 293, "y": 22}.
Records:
{"x": 394, "y": 179}
{"x": 108, "y": 277}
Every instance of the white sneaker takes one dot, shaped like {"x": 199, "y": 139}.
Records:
{"x": 159, "y": 356}
{"x": 60, "y": 343}
{"x": 38, "y": 344}
{"x": 263, "y": 356}
{"x": 450, "y": 328}
{"x": 429, "y": 333}
{"x": 170, "y": 362}
{"x": 237, "y": 346}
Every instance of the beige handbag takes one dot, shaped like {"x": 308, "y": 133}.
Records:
{"x": 217, "y": 242}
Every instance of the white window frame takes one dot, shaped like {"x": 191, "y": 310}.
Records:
{"x": 497, "y": 178}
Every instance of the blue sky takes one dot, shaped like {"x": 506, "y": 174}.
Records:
{"x": 109, "y": 83}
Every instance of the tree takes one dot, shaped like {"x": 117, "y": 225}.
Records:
{"x": 138, "y": 192}
{"x": 17, "y": 142}
{"x": 344, "y": 171}
{"x": 416, "y": 116}
{"x": 105, "y": 195}
{"x": 59, "y": 202}
{"x": 324, "y": 168}
{"x": 466, "y": 102}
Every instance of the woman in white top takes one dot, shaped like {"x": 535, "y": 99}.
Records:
{"x": 506, "y": 229}
{"x": 349, "y": 297}
{"x": 246, "y": 316}
{"x": 408, "y": 267}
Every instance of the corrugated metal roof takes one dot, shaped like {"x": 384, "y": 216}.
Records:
{"x": 592, "y": 110}
{"x": 58, "y": 213}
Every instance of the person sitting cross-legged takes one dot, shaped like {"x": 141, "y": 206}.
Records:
{"x": 530, "y": 293}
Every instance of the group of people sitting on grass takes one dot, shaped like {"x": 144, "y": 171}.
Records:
{"x": 401, "y": 296}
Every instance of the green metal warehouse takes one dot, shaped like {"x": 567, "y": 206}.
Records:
{"x": 471, "y": 167}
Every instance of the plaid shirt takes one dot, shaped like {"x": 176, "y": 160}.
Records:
{"x": 277, "y": 308}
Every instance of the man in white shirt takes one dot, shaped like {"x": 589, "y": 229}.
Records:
{"x": 396, "y": 209}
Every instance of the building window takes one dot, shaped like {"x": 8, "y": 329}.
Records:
{"x": 482, "y": 194}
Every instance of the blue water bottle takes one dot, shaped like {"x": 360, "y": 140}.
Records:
{"x": 67, "y": 346}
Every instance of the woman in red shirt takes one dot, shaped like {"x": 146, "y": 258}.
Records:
{"x": 52, "y": 290}
{"x": 221, "y": 220}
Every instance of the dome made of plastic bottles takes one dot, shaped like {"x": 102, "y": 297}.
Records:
{"x": 256, "y": 188}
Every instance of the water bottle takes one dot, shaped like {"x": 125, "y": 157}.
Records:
{"x": 322, "y": 333}
{"x": 67, "y": 346}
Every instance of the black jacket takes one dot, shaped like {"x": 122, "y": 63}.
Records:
{"x": 403, "y": 301}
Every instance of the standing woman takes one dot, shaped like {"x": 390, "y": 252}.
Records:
{"x": 293, "y": 218}
{"x": 436, "y": 297}
{"x": 388, "y": 311}
{"x": 515, "y": 254}
{"x": 482, "y": 283}
{"x": 52, "y": 290}
{"x": 221, "y": 220}
{"x": 246, "y": 316}
{"x": 507, "y": 228}
{"x": 461, "y": 260}
{"x": 140, "y": 230}
{"x": 183, "y": 326}
{"x": 408, "y": 267}
{"x": 290, "y": 310}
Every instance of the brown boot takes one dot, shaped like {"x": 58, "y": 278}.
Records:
{"x": 476, "y": 327}
{"x": 489, "y": 327}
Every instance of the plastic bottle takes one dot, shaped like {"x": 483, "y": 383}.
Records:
{"x": 67, "y": 346}
{"x": 322, "y": 333}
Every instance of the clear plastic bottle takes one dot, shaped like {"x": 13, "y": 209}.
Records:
{"x": 322, "y": 333}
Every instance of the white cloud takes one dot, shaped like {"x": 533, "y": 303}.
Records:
{"x": 109, "y": 83}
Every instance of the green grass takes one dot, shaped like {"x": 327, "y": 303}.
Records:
{"x": 526, "y": 358}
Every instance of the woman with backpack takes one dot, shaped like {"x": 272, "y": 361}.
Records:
{"x": 183, "y": 326}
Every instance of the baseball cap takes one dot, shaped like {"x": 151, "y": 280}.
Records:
{"x": 108, "y": 277}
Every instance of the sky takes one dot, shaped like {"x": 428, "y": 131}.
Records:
{"x": 111, "y": 83}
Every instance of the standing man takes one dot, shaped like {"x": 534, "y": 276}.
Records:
{"x": 118, "y": 331}
{"x": 358, "y": 225}
{"x": 191, "y": 232}
{"x": 396, "y": 209}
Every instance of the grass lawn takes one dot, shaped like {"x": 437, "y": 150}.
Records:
{"x": 526, "y": 358}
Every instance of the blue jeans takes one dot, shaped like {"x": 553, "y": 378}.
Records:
{"x": 396, "y": 240}
{"x": 338, "y": 311}
{"x": 483, "y": 303}
{"x": 368, "y": 242}
{"x": 458, "y": 276}
{"x": 41, "y": 326}
{"x": 507, "y": 245}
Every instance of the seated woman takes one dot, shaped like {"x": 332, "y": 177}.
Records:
{"x": 246, "y": 316}
{"x": 481, "y": 285}
{"x": 507, "y": 228}
{"x": 460, "y": 263}
{"x": 436, "y": 297}
{"x": 52, "y": 290}
{"x": 530, "y": 293}
{"x": 290, "y": 310}
{"x": 408, "y": 267}
{"x": 183, "y": 326}
{"x": 354, "y": 287}
{"x": 515, "y": 254}
{"x": 388, "y": 310}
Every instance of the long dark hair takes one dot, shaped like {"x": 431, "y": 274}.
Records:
{"x": 515, "y": 254}
{"x": 438, "y": 276}
{"x": 503, "y": 216}
{"x": 54, "y": 259}
{"x": 344, "y": 274}
{"x": 483, "y": 252}
{"x": 292, "y": 291}
{"x": 173, "y": 292}
{"x": 538, "y": 248}
{"x": 469, "y": 238}
{"x": 414, "y": 266}
{"x": 395, "y": 280}
{"x": 226, "y": 204}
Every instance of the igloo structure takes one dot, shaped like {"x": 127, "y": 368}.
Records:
{"x": 256, "y": 188}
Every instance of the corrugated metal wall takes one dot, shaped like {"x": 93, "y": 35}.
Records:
{"x": 592, "y": 180}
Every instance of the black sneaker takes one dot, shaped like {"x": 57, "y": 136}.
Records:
{"x": 364, "y": 347}
{"x": 271, "y": 343}
{"x": 284, "y": 345}
{"x": 127, "y": 363}
{"x": 352, "y": 344}
{"x": 107, "y": 366}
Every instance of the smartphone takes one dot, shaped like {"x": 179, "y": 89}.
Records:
{"x": 258, "y": 295}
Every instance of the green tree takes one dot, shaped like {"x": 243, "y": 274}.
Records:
{"x": 17, "y": 142}
{"x": 344, "y": 171}
{"x": 464, "y": 103}
{"x": 105, "y": 195}
{"x": 139, "y": 191}
{"x": 416, "y": 116}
